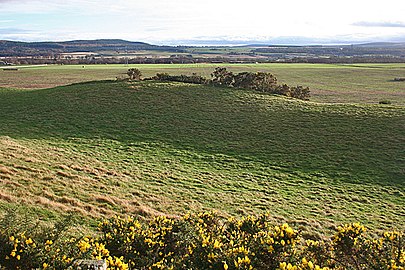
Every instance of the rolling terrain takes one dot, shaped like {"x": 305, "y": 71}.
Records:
{"x": 110, "y": 147}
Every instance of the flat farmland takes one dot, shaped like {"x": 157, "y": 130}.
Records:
{"x": 359, "y": 83}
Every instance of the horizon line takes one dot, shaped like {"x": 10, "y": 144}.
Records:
{"x": 217, "y": 43}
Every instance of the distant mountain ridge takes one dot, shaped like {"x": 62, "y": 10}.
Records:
{"x": 383, "y": 44}
{"x": 17, "y": 48}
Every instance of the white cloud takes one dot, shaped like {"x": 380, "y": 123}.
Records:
{"x": 185, "y": 19}
{"x": 380, "y": 24}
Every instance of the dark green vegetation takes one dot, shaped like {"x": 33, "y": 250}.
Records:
{"x": 100, "y": 148}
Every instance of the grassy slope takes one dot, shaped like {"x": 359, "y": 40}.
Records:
{"x": 360, "y": 83}
{"x": 105, "y": 147}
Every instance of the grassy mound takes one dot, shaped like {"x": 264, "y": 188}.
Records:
{"x": 147, "y": 148}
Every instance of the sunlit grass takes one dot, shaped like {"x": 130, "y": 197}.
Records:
{"x": 148, "y": 148}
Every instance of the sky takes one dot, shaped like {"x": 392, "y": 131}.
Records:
{"x": 181, "y": 22}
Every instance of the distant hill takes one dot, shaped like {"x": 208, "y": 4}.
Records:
{"x": 383, "y": 44}
{"x": 15, "y": 48}
{"x": 112, "y": 49}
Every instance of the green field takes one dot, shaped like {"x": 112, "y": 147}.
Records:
{"x": 359, "y": 83}
{"x": 107, "y": 147}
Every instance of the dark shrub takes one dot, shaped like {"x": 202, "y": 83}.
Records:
{"x": 194, "y": 78}
{"x": 134, "y": 74}
{"x": 300, "y": 92}
{"x": 222, "y": 77}
{"x": 162, "y": 77}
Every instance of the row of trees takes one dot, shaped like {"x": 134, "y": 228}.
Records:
{"x": 258, "y": 81}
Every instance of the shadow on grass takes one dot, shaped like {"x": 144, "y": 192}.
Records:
{"x": 348, "y": 143}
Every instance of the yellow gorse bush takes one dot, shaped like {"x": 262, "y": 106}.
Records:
{"x": 203, "y": 241}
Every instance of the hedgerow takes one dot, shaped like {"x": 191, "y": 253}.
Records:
{"x": 202, "y": 241}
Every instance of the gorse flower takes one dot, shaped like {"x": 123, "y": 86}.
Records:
{"x": 205, "y": 241}
{"x": 84, "y": 245}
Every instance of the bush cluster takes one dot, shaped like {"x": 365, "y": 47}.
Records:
{"x": 134, "y": 74}
{"x": 194, "y": 78}
{"x": 204, "y": 241}
{"x": 26, "y": 245}
{"x": 259, "y": 81}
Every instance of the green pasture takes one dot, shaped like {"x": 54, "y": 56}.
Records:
{"x": 357, "y": 83}
{"x": 149, "y": 148}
